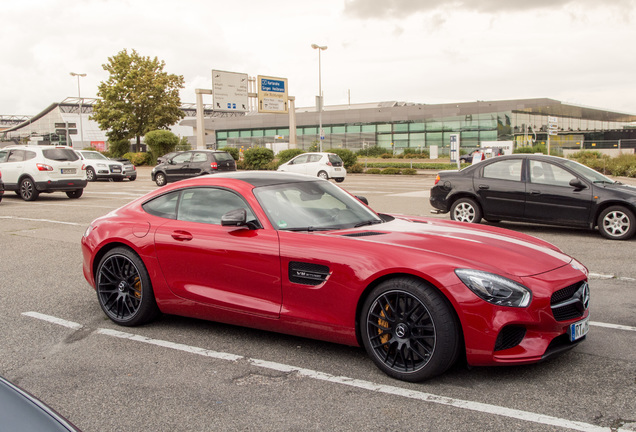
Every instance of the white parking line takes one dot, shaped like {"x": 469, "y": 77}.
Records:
{"x": 360, "y": 384}
{"x": 613, "y": 326}
{"x": 41, "y": 220}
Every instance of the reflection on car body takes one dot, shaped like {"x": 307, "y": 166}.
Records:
{"x": 299, "y": 255}
{"x": 538, "y": 189}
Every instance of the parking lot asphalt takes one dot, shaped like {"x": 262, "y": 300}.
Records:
{"x": 190, "y": 375}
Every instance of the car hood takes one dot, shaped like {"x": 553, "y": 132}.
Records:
{"x": 627, "y": 189}
{"x": 477, "y": 246}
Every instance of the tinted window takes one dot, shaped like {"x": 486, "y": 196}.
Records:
{"x": 208, "y": 205}
{"x": 223, "y": 156}
{"x": 200, "y": 157}
{"x": 547, "y": 173}
{"x": 60, "y": 154}
{"x": 504, "y": 170}
{"x": 164, "y": 206}
{"x": 182, "y": 157}
{"x": 3, "y": 155}
{"x": 16, "y": 156}
{"x": 335, "y": 160}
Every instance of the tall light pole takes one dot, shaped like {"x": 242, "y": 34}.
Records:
{"x": 320, "y": 131}
{"x": 79, "y": 96}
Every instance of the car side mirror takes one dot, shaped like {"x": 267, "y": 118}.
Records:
{"x": 577, "y": 184}
{"x": 363, "y": 199}
{"x": 237, "y": 217}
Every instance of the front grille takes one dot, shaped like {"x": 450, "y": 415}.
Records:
{"x": 509, "y": 336}
{"x": 570, "y": 302}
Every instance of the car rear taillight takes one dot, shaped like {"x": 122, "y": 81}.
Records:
{"x": 44, "y": 167}
{"x": 329, "y": 164}
{"x": 214, "y": 166}
{"x": 437, "y": 179}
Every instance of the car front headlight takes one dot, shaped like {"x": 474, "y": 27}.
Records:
{"x": 495, "y": 289}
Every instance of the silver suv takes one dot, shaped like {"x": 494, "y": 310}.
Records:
{"x": 99, "y": 166}
{"x": 31, "y": 170}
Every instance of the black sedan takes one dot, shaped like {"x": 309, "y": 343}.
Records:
{"x": 539, "y": 189}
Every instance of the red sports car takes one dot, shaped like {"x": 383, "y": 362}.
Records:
{"x": 298, "y": 255}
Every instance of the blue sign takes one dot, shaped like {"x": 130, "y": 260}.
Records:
{"x": 277, "y": 86}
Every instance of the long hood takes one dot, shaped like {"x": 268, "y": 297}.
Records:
{"x": 478, "y": 246}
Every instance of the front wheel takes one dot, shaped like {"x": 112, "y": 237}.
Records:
{"x": 409, "y": 330}
{"x": 75, "y": 193}
{"x": 617, "y": 223}
{"x": 27, "y": 190}
{"x": 160, "y": 179}
{"x": 465, "y": 210}
{"x": 90, "y": 174}
{"x": 124, "y": 290}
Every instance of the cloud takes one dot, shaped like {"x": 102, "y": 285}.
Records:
{"x": 369, "y": 9}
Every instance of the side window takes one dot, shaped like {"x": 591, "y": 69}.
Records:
{"x": 3, "y": 155}
{"x": 182, "y": 157}
{"x": 28, "y": 155}
{"x": 547, "y": 173}
{"x": 164, "y": 206}
{"x": 208, "y": 205}
{"x": 200, "y": 157}
{"x": 315, "y": 158}
{"x": 300, "y": 160}
{"x": 16, "y": 156}
{"x": 504, "y": 170}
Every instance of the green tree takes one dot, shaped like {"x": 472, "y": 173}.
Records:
{"x": 118, "y": 148}
{"x": 258, "y": 158}
{"x": 161, "y": 142}
{"x": 348, "y": 157}
{"x": 138, "y": 97}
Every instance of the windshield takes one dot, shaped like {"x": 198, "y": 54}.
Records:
{"x": 587, "y": 173}
{"x": 312, "y": 206}
{"x": 93, "y": 155}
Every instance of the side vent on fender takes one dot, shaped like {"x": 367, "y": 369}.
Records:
{"x": 363, "y": 234}
{"x": 307, "y": 273}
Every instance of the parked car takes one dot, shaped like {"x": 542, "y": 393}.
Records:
{"x": 299, "y": 255}
{"x": 167, "y": 156}
{"x": 32, "y": 170}
{"x": 21, "y": 411}
{"x": 99, "y": 166}
{"x": 192, "y": 163}
{"x": 323, "y": 165}
{"x": 129, "y": 168}
{"x": 1, "y": 186}
{"x": 537, "y": 189}
{"x": 467, "y": 158}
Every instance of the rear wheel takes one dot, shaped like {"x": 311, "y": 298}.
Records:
{"x": 27, "y": 190}
{"x": 160, "y": 179}
{"x": 466, "y": 210}
{"x": 409, "y": 330}
{"x": 75, "y": 194}
{"x": 617, "y": 223}
{"x": 124, "y": 290}
{"x": 339, "y": 180}
{"x": 323, "y": 175}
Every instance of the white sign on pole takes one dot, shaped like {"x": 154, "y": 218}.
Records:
{"x": 272, "y": 95}
{"x": 229, "y": 90}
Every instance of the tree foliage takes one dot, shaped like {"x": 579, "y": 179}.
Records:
{"x": 258, "y": 158}
{"x": 161, "y": 142}
{"x": 137, "y": 97}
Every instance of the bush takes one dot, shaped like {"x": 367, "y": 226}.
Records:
{"x": 409, "y": 171}
{"x": 390, "y": 171}
{"x": 372, "y": 151}
{"x": 373, "y": 171}
{"x": 118, "y": 148}
{"x": 416, "y": 153}
{"x": 287, "y": 155}
{"x": 139, "y": 159}
{"x": 258, "y": 158}
{"x": 161, "y": 142}
{"x": 348, "y": 157}
{"x": 356, "y": 169}
{"x": 386, "y": 156}
{"x": 233, "y": 151}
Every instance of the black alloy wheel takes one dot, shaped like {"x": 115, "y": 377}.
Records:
{"x": 90, "y": 174}
{"x": 466, "y": 210}
{"x": 160, "y": 179}
{"x": 27, "y": 190}
{"x": 124, "y": 290}
{"x": 409, "y": 330}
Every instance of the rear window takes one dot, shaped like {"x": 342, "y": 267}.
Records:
{"x": 335, "y": 160}
{"x": 223, "y": 156}
{"x": 60, "y": 154}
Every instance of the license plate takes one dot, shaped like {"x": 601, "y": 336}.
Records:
{"x": 69, "y": 170}
{"x": 579, "y": 329}
{"x": 116, "y": 170}
{"x": 338, "y": 169}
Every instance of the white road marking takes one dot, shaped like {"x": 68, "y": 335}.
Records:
{"x": 613, "y": 326}
{"x": 41, "y": 220}
{"x": 343, "y": 380}
{"x": 610, "y": 276}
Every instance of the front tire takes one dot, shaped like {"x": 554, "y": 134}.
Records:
{"x": 466, "y": 210}
{"x": 27, "y": 190}
{"x": 617, "y": 223}
{"x": 90, "y": 174}
{"x": 409, "y": 330}
{"x": 124, "y": 290}
{"x": 160, "y": 179}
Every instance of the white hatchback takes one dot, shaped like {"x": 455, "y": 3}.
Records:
{"x": 31, "y": 170}
{"x": 323, "y": 165}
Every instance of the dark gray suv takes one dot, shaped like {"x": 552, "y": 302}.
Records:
{"x": 192, "y": 163}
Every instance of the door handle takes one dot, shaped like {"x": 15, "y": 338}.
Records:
{"x": 182, "y": 235}
{"x": 535, "y": 192}
{"x": 484, "y": 187}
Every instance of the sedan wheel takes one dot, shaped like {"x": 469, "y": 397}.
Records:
{"x": 617, "y": 223}
{"x": 466, "y": 210}
{"x": 27, "y": 191}
{"x": 160, "y": 179}
{"x": 124, "y": 290}
{"x": 409, "y": 330}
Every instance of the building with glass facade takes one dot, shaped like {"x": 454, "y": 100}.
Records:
{"x": 396, "y": 126}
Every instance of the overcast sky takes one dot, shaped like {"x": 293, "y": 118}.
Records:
{"x": 422, "y": 51}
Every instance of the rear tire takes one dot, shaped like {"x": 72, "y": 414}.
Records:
{"x": 323, "y": 175}
{"x": 466, "y": 210}
{"x": 75, "y": 194}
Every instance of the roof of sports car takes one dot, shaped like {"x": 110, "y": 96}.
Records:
{"x": 266, "y": 178}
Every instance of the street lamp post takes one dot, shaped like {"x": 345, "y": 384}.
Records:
{"x": 79, "y": 96}
{"x": 320, "y": 104}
